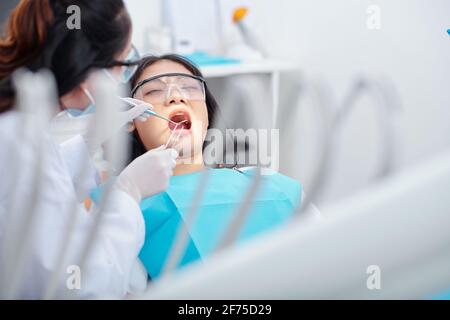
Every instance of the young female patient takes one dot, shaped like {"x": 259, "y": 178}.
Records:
{"x": 176, "y": 90}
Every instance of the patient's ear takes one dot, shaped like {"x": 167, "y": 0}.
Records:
{"x": 131, "y": 127}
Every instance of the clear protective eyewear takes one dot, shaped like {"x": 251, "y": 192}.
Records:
{"x": 126, "y": 72}
{"x": 157, "y": 89}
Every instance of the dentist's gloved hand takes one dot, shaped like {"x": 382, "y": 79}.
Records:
{"x": 149, "y": 174}
{"x": 123, "y": 119}
{"x": 135, "y": 113}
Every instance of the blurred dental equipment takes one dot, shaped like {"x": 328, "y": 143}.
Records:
{"x": 103, "y": 88}
{"x": 181, "y": 239}
{"x": 322, "y": 106}
{"x": 396, "y": 226}
{"x": 70, "y": 132}
{"x": 65, "y": 126}
{"x": 239, "y": 16}
{"x": 251, "y": 48}
{"x": 333, "y": 113}
{"x": 50, "y": 233}
{"x": 50, "y": 246}
{"x": 387, "y": 107}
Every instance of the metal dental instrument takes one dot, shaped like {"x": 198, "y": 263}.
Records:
{"x": 135, "y": 102}
{"x": 173, "y": 132}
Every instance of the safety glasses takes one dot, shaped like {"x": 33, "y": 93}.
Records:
{"x": 126, "y": 71}
{"x": 157, "y": 89}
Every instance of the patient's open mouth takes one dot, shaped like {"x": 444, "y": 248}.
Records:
{"x": 183, "y": 120}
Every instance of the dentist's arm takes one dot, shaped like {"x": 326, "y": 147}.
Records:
{"x": 121, "y": 236}
{"x": 107, "y": 271}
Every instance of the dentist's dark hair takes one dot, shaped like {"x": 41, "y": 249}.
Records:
{"x": 37, "y": 36}
{"x": 137, "y": 146}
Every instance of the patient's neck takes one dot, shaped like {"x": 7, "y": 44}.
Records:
{"x": 190, "y": 165}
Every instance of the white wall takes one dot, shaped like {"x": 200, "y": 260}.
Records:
{"x": 412, "y": 48}
{"x": 145, "y": 14}
{"x": 331, "y": 40}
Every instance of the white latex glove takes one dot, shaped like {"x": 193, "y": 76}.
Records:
{"x": 149, "y": 174}
{"x": 138, "y": 103}
{"x": 135, "y": 113}
{"x": 124, "y": 118}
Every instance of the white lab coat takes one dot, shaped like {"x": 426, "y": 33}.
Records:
{"x": 108, "y": 269}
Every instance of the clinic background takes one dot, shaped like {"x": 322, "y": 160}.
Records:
{"x": 331, "y": 44}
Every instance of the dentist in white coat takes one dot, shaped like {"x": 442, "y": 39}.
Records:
{"x": 29, "y": 257}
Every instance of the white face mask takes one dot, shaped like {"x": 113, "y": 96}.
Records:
{"x": 73, "y": 121}
{"x": 74, "y": 112}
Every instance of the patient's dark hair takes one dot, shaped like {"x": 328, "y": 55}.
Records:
{"x": 137, "y": 146}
